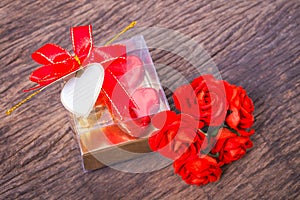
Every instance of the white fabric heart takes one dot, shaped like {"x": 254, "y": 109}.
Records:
{"x": 80, "y": 93}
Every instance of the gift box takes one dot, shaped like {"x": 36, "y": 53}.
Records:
{"x": 111, "y": 92}
{"x": 119, "y": 124}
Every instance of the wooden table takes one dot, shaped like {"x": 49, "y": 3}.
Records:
{"x": 255, "y": 44}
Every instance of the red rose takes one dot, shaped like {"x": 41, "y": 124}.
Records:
{"x": 185, "y": 100}
{"x": 240, "y": 109}
{"x": 204, "y": 98}
{"x": 176, "y": 134}
{"x": 197, "y": 170}
{"x": 230, "y": 146}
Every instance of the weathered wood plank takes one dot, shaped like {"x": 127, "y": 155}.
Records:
{"x": 255, "y": 44}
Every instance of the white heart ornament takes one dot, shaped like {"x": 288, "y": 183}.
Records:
{"x": 79, "y": 94}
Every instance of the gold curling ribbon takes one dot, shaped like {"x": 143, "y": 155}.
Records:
{"x": 8, "y": 112}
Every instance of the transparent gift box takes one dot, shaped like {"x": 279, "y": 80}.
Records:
{"x": 119, "y": 124}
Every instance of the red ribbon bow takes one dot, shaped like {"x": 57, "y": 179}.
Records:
{"x": 57, "y": 62}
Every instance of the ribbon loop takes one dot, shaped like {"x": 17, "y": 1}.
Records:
{"x": 50, "y": 54}
{"x": 82, "y": 41}
{"x": 58, "y": 62}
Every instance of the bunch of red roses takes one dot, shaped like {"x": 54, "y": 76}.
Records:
{"x": 212, "y": 129}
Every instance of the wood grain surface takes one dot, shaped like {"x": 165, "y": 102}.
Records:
{"x": 255, "y": 44}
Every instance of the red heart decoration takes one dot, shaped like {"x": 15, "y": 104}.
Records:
{"x": 145, "y": 103}
{"x": 130, "y": 74}
{"x": 115, "y": 135}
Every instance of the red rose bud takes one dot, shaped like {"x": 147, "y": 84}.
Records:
{"x": 185, "y": 100}
{"x": 230, "y": 146}
{"x": 176, "y": 134}
{"x": 162, "y": 119}
{"x": 241, "y": 109}
{"x": 198, "y": 170}
{"x": 204, "y": 98}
